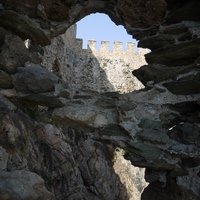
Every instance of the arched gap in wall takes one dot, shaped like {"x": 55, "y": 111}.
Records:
{"x": 99, "y": 27}
{"x": 115, "y": 50}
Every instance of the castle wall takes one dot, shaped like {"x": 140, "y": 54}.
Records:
{"x": 100, "y": 70}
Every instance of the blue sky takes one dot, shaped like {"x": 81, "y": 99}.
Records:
{"x": 100, "y": 27}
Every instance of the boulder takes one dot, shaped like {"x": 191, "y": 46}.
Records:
{"x": 22, "y": 184}
{"x": 13, "y": 56}
{"x": 34, "y": 79}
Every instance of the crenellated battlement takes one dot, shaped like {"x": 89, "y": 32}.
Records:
{"x": 105, "y": 47}
{"x": 77, "y": 45}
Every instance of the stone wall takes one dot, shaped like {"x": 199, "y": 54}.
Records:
{"x": 58, "y": 143}
{"x": 100, "y": 70}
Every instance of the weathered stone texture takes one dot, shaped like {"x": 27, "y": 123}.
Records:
{"x": 100, "y": 70}
{"x": 5, "y": 80}
{"x": 34, "y": 79}
{"x": 23, "y": 27}
{"x": 21, "y": 184}
{"x": 147, "y": 13}
{"x": 10, "y": 51}
{"x": 130, "y": 177}
{"x": 177, "y": 55}
{"x": 73, "y": 165}
{"x": 67, "y": 136}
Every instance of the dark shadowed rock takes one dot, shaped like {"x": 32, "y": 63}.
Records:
{"x": 157, "y": 41}
{"x": 4, "y": 158}
{"x": 44, "y": 99}
{"x": 186, "y": 133}
{"x": 176, "y": 29}
{"x": 127, "y": 106}
{"x": 151, "y": 12}
{"x": 185, "y": 86}
{"x": 6, "y": 106}
{"x": 5, "y": 80}
{"x": 146, "y": 151}
{"x": 35, "y": 80}
{"x": 23, "y": 26}
{"x": 158, "y": 73}
{"x": 187, "y": 10}
{"x": 150, "y": 124}
{"x": 3, "y": 32}
{"x": 105, "y": 103}
{"x": 31, "y": 186}
{"x": 155, "y": 137}
{"x": 9, "y": 51}
{"x": 175, "y": 55}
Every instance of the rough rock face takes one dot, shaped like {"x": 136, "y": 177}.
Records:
{"x": 73, "y": 165}
{"x": 68, "y": 137}
{"x": 10, "y": 51}
{"x": 31, "y": 188}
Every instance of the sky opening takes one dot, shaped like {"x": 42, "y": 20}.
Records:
{"x": 100, "y": 27}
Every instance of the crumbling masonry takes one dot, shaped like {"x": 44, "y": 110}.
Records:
{"x": 100, "y": 70}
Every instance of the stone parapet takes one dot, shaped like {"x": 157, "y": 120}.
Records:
{"x": 77, "y": 45}
{"x": 105, "y": 47}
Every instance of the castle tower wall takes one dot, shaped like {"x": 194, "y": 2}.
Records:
{"x": 101, "y": 70}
